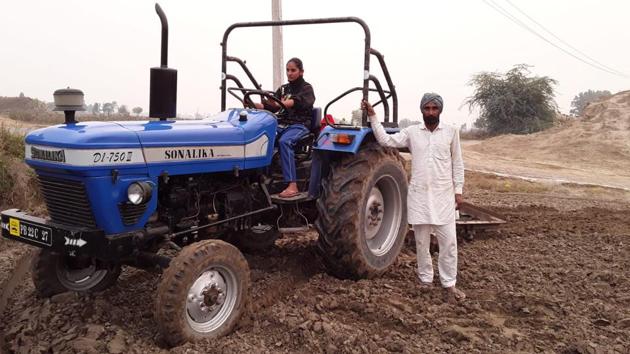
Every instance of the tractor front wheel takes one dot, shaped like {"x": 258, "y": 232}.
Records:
{"x": 202, "y": 293}
{"x": 54, "y": 274}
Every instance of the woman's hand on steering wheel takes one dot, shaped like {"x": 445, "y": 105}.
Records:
{"x": 270, "y": 103}
{"x": 269, "y": 97}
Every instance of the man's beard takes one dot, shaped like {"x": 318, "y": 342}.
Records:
{"x": 430, "y": 120}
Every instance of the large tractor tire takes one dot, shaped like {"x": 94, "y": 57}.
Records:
{"x": 54, "y": 274}
{"x": 363, "y": 213}
{"x": 202, "y": 293}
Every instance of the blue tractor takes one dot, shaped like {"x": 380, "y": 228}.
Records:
{"x": 186, "y": 196}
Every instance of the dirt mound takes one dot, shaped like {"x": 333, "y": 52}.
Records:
{"x": 26, "y": 109}
{"x": 596, "y": 146}
{"x": 12, "y": 104}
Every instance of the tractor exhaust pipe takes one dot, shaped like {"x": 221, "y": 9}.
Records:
{"x": 164, "y": 21}
{"x": 163, "y": 88}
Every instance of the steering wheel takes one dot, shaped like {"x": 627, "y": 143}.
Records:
{"x": 264, "y": 94}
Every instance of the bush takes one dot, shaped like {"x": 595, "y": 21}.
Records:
{"x": 6, "y": 181}
{"x": 11, "y": 150}
{"x": 18, "y": 186}
{"x": 513, "y": 103}
{"x": 11, "y": 144}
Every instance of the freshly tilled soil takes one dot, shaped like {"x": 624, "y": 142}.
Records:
{"x": 553, "y": 279}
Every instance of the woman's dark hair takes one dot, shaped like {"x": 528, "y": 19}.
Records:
{"x": 297, "y": 63}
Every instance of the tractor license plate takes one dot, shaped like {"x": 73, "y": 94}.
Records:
{"x": 36, "y": 233}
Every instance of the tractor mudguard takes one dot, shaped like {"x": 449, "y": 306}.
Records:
{"x": 325, "y": 141}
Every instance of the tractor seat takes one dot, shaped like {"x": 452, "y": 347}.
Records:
{"x": 304, "y": 146}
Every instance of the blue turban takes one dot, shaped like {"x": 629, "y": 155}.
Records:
{"x": 432, "y": 97}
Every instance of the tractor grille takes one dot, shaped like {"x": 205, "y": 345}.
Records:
{"x": 131, "y": 213}
{"x": 67, "y": 201}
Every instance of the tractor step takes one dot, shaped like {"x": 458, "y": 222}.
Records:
{"x": 291, "y": 218}
{"x": 288, "y": 230}
{"x": 300, "y": 197}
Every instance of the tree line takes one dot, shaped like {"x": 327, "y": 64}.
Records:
{"x": 514, "y": 102}
{"x": 109, "y": 108}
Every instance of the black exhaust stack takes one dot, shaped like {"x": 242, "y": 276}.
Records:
{"x": 163, "y": 95}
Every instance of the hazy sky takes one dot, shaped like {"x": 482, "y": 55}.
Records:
{"x": 106, "y": 48}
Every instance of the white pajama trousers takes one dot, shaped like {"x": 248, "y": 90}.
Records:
{"x": 447, "y": 259}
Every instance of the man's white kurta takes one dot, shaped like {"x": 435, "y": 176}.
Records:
{"x": 437, "y": 170}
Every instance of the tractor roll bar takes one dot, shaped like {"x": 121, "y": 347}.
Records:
{"x": 355, "y": 89}
{"x": 237, "y": 82}
{"x": 366, "y": 57}
{"x": 246, "y": 70}
{"x": 388, "y": 78}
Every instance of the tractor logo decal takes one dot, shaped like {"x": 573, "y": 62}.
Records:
{"x": 188, "y": 154}
{"x": 48, "y": 155}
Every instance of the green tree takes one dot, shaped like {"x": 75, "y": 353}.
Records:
{"x": 513, "y": 102}
{"x": 584, "y": 98}
{"x": 123, "y": 110}
{"x": 96, "y": 108}
{"x": 137, "y": 111}
{"x": 107, "y": 108}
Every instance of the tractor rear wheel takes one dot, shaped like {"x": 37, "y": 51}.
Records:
{"x": 362, "y": 219}
{"x": 202, "y": 293}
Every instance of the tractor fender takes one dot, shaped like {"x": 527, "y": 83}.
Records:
{"x": 358, "y": 135}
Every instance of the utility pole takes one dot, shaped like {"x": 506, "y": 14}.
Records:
{"x": 276, "y": 37}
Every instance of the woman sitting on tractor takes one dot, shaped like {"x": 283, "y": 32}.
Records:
{"x": 298, "y": 97}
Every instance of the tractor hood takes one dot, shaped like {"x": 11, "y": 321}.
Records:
{"x": 144, "y": 143}
{"x": 83, "y": 135}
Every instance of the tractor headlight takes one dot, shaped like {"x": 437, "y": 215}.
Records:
{"x": 139, "y": 192}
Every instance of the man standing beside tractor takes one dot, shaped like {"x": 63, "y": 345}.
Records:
{"x": 435, "y": 189}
